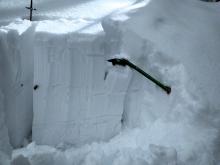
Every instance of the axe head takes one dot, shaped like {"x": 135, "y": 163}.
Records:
{"x": 118, "y": 61}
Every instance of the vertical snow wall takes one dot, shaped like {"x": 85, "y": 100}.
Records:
{"x": 16, "y": 78}
{"x": 80, "y": 97}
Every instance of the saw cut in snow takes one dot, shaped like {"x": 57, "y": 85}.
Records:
{"x": 124, "y": 62}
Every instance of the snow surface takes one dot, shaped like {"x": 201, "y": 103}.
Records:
{"x": 176, "y": 41}
{"x": 52, "y": 10}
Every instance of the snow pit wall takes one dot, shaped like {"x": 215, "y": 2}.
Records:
{"x": 79, "y": 96}
{"x": 16, "y": 75}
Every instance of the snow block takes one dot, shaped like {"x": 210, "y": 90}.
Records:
{"x": 16, "y": 79}
{"x": 79, "y": 98}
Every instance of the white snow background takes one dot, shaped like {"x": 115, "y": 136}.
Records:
{"x": 74, "y": 117}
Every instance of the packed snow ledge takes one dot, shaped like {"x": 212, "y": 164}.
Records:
{"x": 61, "y": 102}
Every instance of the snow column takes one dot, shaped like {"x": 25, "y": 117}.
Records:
{"x": 79, "y": 96}
{"x": 16, "y": 76}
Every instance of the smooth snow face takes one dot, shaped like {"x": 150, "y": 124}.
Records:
{"x": 73, "y": 75}
{"x": 80, "y": 98}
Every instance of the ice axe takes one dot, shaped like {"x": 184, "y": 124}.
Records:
{"x": 31, "y": 9}
{"x": 124, "y": 62}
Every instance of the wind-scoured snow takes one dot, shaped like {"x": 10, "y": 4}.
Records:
{"x": 176, "y": 41}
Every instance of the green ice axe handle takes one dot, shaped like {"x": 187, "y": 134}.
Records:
{"x": 124, "y": 62}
